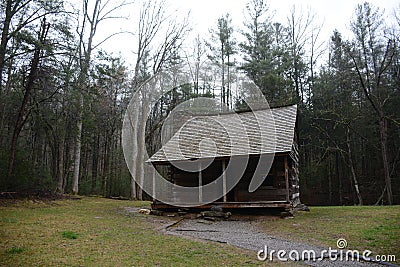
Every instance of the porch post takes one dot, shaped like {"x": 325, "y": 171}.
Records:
{"x": 200, "y": 184}
{"x": 223, "y": 180}
{"x": 154, "y": 183}
{"x": 287, "y": 178}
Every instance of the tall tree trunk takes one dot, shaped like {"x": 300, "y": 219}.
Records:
{"x": 383, "y": 137}
{"x": 134, "y": 124}
{"x": 329, "y": 181}
{"x": 85, "y": 162}
{"x": 3, "y": 49}
{"x": 85, "y": 52}
{"x": 353, "y": 172}
{"x": 95, "y": 160}
{"x": 223, "y": 76}
{"x": 142, "y": 145}
{"x": 4, "y": 40}
{"x": 228, "y": 89}
{"x": 108, "y": 187}
{"x": 339, "y": 178}
{"x": 78, "y": 145}
{"x": 105, "y": 167}
{"x": 22, "y": 114}
{"x": 69, "y": 168}
{"x": 60, "y": 169}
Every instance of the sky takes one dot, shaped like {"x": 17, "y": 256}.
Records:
{"x": 205, "y": 13}
{"x": 334, "y": 13}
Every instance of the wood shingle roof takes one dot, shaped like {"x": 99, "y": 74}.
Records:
{"x": 234, "y": 134}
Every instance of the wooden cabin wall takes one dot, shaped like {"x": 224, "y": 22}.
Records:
{"x": 276, "y": 192}
{"x": 183, "y": 178}
{"x": 191, "y": 179}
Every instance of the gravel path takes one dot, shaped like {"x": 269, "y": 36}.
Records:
{"x": 247, "y": 234}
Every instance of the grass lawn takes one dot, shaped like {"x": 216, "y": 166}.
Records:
{"x": 98, "y": 232}
{"x": 376, "y": 228}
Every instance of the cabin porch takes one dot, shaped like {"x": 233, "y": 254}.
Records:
{"x": 275, "y": 192}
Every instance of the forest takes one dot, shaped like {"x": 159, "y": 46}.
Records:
{"x": 63, "y": 97}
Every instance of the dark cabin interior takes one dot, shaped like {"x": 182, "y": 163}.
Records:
{"x": 272, "y": 189}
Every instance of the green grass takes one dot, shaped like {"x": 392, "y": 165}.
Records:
{"x": 98, "y": 232}
{"x": 69, "y": 235}
{"x": 15, "y": 250}
{"x": 376, "y": 228}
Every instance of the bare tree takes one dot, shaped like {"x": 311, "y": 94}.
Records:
{"x": 371, "y": 58}
{"x": 351, "y": 165}
{"x": 195, "y": 60}
{"x": 299, "y": 33}
{"x": 222, "y": 48}
{"x": 346, "y": 154}
{"x": 157, "y": 37}
{"x": 92, "y": 16}
{"x": 316, "y": 50}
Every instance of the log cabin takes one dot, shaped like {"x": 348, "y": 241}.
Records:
{"x": 279, "y": 184}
